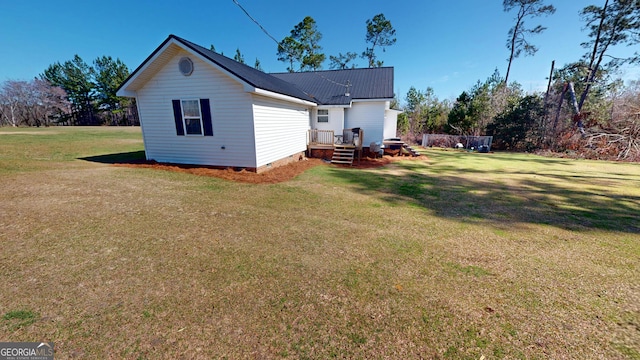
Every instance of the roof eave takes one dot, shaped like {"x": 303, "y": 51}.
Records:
{"x": 369, "y": 100}
{"x": 124, "y": 87}
{"x": 125, "y": 93}
{"x": 278, "y": 96}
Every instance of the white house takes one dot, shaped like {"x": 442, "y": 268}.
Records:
{"x": 200, "y": 107}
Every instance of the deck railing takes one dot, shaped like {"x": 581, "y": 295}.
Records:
{"x": 327, "y": 138}
{"x": 321, "y": 137}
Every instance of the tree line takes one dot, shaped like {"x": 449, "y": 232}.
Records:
{"x": 69, "y": 93}
{"x": 586, "y": 111}
{"x": 91, "y": 90}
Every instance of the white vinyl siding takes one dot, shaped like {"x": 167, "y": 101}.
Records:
{"x": 231, "y": 112}
{"x": 390, "y": 124}
{"x": 280, "y": 129}
{"x": 369, "y": 116}
{"x": 336, "y": 121}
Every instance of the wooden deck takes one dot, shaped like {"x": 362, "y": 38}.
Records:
{"x": 328, "y": 140}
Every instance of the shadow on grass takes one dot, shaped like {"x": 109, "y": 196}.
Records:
{"x": 132, "y": 157}
{"x": 569, "y": 201}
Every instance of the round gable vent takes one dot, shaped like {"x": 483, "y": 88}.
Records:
{"x": 186, "y": 66}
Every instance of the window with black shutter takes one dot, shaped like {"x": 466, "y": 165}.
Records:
{"x": 192, "y": 117}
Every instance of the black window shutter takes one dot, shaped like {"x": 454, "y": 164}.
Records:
{"x": 206, "y": 117}
{"x": 177, "y": 116}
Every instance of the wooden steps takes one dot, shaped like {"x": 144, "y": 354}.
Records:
{"x": 410, "y": 150}
{"x": 398, "y": 147}
{"x": 343, "y": 155}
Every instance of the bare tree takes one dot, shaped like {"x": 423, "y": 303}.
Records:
{"x": 10, "y": 96}
{"x": 619, "y": 137}
{"x": 32, "y": 103}
{"x": 52, "y": 105}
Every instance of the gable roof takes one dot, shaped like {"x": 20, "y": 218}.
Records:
{"x": 252, "y": 76}
{"x": 247, "y": 74}
{"x": 320, "y": 87}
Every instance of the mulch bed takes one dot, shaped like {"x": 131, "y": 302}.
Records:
{"x": 276, "y": 175}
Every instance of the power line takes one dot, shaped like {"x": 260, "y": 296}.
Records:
{"x": 257, "y": 23}
{"x": 347, "y": 85}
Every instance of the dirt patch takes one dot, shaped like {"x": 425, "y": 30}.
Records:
{"x": 277, "y": 175}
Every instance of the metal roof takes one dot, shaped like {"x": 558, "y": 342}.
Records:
{"x": 330, "y": 87}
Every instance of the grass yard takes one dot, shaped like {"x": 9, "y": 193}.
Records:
{"x": 461, "y": 256}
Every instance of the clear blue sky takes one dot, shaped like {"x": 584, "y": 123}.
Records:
{"x": 443, "y": 44}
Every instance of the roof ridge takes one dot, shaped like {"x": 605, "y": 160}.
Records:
{"x": 331, "y": 70}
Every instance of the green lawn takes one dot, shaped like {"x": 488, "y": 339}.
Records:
{"x": 461, "y": 256}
